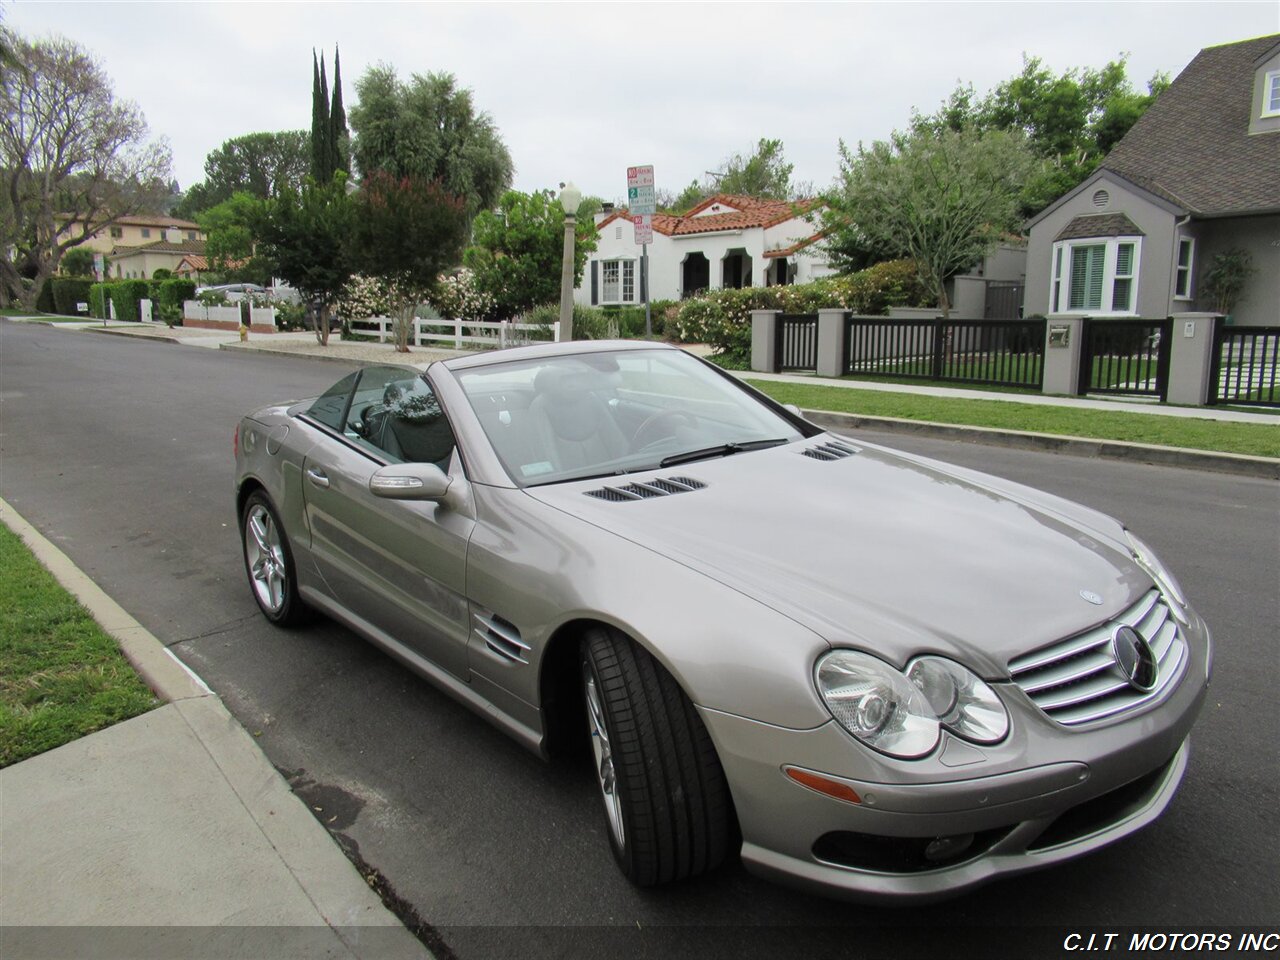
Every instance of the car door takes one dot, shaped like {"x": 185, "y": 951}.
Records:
{"x": 397, "y": 565}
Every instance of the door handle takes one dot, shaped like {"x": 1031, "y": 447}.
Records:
{"x": 317, "y": 476}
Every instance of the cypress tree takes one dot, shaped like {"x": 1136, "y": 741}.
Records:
{"x": 338, "y": 135}
{"x": 321, "y": 169}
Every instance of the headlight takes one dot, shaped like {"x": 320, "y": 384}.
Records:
{"x": 903, "y": 714}
{"x": 877, "y": 704}
{"x": 962, "y": 701}
{"x": 1145, "y": 557}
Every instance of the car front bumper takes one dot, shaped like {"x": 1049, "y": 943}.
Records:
{"x": 926, "y": 830}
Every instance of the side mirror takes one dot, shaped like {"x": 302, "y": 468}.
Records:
{"x": 410, "y": 481}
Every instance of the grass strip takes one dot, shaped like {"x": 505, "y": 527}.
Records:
{"x": 61, "y": 675}
{"x": 1254, "y": 439}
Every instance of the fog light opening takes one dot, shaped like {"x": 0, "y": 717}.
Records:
{"x": 948, "y": 848}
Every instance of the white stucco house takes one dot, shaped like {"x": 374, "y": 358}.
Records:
{"x": 725, "y": 241}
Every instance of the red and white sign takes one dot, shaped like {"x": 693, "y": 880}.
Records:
{"x": 640, "y": 176}
{"x": 644, "y": 228}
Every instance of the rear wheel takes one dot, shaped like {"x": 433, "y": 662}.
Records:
{"x": 269, "y": 563}
{"x": 666, "y": 800}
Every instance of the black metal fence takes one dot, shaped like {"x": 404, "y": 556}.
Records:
{"x": 796, "y": 347}
{"x": 1127, "y": 357}
{"x": 1006, "y": 353}
{"x": 1244, "y": 368}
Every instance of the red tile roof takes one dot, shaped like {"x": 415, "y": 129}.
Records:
{"x": 747, "y": 212}
{"x": 798, "y": 245}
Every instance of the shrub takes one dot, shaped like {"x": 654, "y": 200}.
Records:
{"x": 162, "y": 273}
{"x": 44, "y": 299}
{"x": 126, "y": 295}
{"x": 69, "y": 291}
{"x": 76, "y": 262}
{"x": 213, "y": 298}
{"x": 722, "y": 318}
{"x": 169, "y": 295}
{"x": 98, "y": 296}
{"x": 290, "y": 315}
{"x": 458, "y": 297}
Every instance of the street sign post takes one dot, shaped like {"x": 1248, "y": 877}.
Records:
{"x": 642, "y": 204}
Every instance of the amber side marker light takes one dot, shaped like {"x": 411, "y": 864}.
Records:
{"x": 823, "y": 785}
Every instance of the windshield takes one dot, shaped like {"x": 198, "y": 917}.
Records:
{"x": 561, "y": 418}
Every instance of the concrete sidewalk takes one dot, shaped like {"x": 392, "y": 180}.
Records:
{"x": 171, "y": 834}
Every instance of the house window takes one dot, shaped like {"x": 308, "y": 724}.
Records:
{"x": 1271, "y": 94}
{"x": 1095, "y": 276}
{"x": 618, "y": 281}
{"x": 1182, "y": 273}
{"x": 191, "y": 234}
{"x": 146, "y": 232}
{"x": 117, "y": 233}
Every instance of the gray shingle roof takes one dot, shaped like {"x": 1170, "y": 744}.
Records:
{"x": 1193, "y": 146}
{"x": 1099, "y": 225}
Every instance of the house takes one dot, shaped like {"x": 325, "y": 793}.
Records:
{"x": 1197, "y": 175}
{"x": 132, "y": 231}
{"x": 725, "y": 241}
{"x": 173, "y": 254}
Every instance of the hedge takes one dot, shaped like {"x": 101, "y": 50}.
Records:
{"x": 44, "y": 299}
{"x": 169, "y": 296}
{"x": 69, "y": 291}
{"x": 722, "y": 318}
{"x": 98, "y": 297}
{"x": 126, "y": 294}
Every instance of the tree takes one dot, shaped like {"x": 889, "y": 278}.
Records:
{"x": 260, "y": 164}
{"x": 304, "y": 237}
{"x": 516, "y": 253}
{"x": 73, "y": 160}
{"x": 429, "y": 128}
{"x": 321, "y": 131}
{"x": 230, "y": 228}
{"x": 1071, "y": 120}
{"x": 339, "y": 137}
{"x": 763, "y": 173}
{"x": 77, "y": 262}
{"x": 942, "y": 198}
{"x": 407, "y": 231}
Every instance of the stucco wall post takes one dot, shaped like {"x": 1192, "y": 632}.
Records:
{"x": 831, "y": 343}
{"x": 1062, "y": 355}
{"x": 1191, "y": 357}
{"x": 764, "y": 340}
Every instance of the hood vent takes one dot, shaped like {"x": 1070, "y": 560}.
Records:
{"x": 647, "y": 489}
{"x": 502, "y": 637}
{"x": 830, "y": 450}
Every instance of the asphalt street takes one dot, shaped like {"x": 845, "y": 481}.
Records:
{"x": 120, "y": 451}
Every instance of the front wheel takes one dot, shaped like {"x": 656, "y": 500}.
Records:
{"x": 666, "y": 800}
{"x": 269, "y": 563}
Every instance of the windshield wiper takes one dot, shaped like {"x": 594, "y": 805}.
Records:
{"x": 585, "y": 476}
{"x": 720, "y": 450}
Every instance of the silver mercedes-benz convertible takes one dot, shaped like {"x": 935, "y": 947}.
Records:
{"x": 878, "y": 674}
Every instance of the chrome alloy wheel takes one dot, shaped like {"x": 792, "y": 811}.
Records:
{"x": 264, "y": 552}
{"x": 603, "y": 752}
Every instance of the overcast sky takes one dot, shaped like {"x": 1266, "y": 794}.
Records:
{"x": 580, "y": 91}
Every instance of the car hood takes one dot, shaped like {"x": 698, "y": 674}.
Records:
{"x": 896, "y": 554}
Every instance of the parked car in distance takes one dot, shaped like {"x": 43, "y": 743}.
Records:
{"x": 888, "y": 676}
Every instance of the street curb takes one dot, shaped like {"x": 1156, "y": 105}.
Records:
{"x": 254, "y": 348}
{"x": 115, "y": 332}
{"x": 340, "y": 895}
{"x": 1233, "y": 463}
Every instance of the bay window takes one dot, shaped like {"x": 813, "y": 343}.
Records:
{"x": 1095, "y": 276}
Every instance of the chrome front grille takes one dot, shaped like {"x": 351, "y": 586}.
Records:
{"x": 1078, "y": 680}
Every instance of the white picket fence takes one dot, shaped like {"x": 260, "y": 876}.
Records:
{"x": 195, "y": 310}
{"x": 457, "y": 332}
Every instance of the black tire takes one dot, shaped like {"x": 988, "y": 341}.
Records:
{"x": 291, "y": 610}
{"x": 676, "y": 814}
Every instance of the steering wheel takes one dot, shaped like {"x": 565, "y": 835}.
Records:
{"x": 641, "y": 441}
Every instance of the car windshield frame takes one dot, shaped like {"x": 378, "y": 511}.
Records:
{"x": 566, "y": 417}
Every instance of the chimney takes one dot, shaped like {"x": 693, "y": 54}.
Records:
{"x": 606, "y": 211}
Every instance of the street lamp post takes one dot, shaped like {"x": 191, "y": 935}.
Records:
{"x": 570, "y": 197}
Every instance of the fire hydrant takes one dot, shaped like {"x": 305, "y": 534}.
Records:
{"x": 244, "y": 333}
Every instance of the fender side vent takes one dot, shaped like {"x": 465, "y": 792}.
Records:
{"x": 830, "y": 450}
{"x": 647, "y": 489}
{"x": 502, "y": 637}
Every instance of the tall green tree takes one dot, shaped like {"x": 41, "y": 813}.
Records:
{"x": 339, "y": 136}
{"x": 321, "y": 131}
{"x": 429, "y": 127}
{"x": 940, "y": 197}
{"x": 406, "y": 231}
{"x": 73, "y": 160}
{"x": 762, "y": 173}
{"x": 230, "y": 247}
{"x": 261, "y": 164}
{"x": 304, "y": 237}
{"x": 1070, "y": 119}
{"x": 516, "y": 252}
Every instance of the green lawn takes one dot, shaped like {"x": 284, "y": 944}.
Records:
{"x": 1256, "y": 439}
{"x": 43, "y": 317}
{"x": 61, "y": 676}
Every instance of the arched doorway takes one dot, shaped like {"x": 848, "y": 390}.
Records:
{"x": 695, "y": 274}
{"x": 735, "y": 269}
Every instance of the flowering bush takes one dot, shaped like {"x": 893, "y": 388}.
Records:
{"x": 457, "y": 297}
{"x": 722, "y": 318}
{"x": 365, "y": 297}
